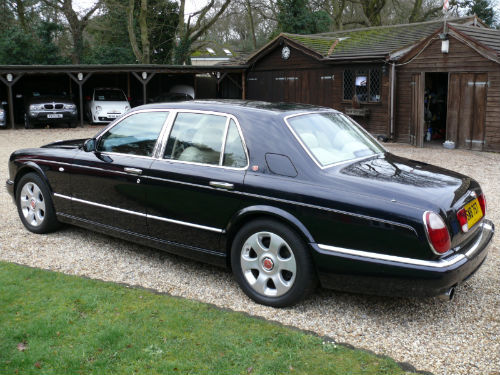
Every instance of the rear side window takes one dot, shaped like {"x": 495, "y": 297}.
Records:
{"x": 134, "y": 135}
{"x": 234, "y": 152}
{"x": 199, "y": 138}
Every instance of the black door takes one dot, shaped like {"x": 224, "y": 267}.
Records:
{"x": 107, "y": 185}
{"x": 192, "y": 189}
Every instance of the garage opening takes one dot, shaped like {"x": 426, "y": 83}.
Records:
{"x": 435, "y": 107}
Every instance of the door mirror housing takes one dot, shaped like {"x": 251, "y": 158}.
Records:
{"x": 90, "y": 145}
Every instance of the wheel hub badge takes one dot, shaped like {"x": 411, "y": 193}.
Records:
{"x": 267, "y": 264}
{"x": 33, "y": 204}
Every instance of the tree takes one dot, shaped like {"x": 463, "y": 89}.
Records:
{"x": 372, "y": 10}
{"x": 76, "y": 24}
{"x": 482, "y": 8}
{"x": 187, "y": 33}
{"x": 295, "y": 16}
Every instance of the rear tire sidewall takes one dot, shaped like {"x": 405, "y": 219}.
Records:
{"x": 305, "y": 278}
{"x": 50, "y": 222}
{"x": 27, "y": 122}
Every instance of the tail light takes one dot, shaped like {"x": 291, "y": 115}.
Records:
{"x": 482, "y": 203}
{"x": 437, "y": 233}
{"x": 462, "y": 219}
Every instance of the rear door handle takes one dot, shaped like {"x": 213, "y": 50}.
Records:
{"x": 222, "y": 185}
{"x": 133, "y": 170}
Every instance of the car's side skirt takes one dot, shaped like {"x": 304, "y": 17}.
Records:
{"x": 208, "y": 256}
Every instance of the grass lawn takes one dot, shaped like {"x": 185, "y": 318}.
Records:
{"x": 52, "y": 323}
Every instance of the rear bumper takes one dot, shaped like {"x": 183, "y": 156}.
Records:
{"x": 374, "y": 273}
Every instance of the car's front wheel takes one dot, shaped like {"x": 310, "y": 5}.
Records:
{"x": 27, "y": 122}
{"x": 272, "y": 263}
{"x": 34, "y": 204}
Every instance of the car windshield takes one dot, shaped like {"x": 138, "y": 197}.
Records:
{"x": 49, "y": 94}
{"x": 331, "y": 138}
{"x": 109, "y": 96}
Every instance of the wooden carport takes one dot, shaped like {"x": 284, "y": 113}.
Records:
{"x": 143, "y": 74}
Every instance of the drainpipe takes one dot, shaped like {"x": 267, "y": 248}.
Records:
{"x": 393, "y": 85}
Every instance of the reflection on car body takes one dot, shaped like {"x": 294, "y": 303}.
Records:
{"x": 285, "y": 195}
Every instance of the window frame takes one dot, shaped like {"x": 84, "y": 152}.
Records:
{"x": 362, "y": 72}
{"x": 119, "y": 120}
{"x": 228, "y": 117}
{"x": 309, "y": 153}
{"x": 161, "y": 141}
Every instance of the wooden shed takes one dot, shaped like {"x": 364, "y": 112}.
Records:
{"x": 394, "y": 80}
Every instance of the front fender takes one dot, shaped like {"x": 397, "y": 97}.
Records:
{"x": 28, "y": 167}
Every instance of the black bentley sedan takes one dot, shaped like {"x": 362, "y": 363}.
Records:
{"x": 285, "y": 195}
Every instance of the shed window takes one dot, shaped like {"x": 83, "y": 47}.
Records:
{"x": 365, "y": 84}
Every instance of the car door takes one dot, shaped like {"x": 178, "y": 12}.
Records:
{"x": 107, "y": 184}
{"x": 193, "y": 189}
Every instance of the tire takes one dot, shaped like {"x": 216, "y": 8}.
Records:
{"x": 27, "y": 122}
{"x": 34, "y": 204}
{"x": 272, "y": 264}
{"x": 72, "y": 125}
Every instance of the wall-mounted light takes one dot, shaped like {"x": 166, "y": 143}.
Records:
{"x": 79, "y": 76}
{"x": 10, "y": 77}
{"x": 445, "y": 46}
{"x": 144, "y": 75}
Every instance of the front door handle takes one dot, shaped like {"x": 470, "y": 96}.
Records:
{"x": 221, "y": 185}
{"x": 133, "y": 170}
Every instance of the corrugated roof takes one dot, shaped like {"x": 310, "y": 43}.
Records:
{"x": 488, "y": 37}
{"x": 372, "y": 42}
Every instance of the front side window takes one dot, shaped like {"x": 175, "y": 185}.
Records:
{"x": 364, "y": 84}
{"x": 134, "y": 135}
{"x": 332, "y": 138}
{"x": 199, "y": 138}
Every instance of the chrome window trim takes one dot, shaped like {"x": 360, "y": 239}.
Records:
{"x": 229, "y": 116}
{"x": 224, "y": 140}
{"x": 126, "y": 115}
{"x": 441, "y": 263}
{"x": 306, "y": 149}
{"x": 147, "y": 216}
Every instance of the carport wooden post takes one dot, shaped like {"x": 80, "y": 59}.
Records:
{"x": 11, "y": 97}
{"x": 144, "y": 82}
{"x": 243, "y": 86}
{"x": 80, "y": 91}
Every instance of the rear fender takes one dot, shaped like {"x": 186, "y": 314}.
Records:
{"x": 248, "y": 214}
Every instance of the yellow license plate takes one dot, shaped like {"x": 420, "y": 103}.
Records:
{"x": 473, "y": 212}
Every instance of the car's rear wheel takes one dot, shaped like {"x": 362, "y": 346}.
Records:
{"x": 34, "y": 204}
{"x": 272, "y": 264}
{"x": 72, "y": 124}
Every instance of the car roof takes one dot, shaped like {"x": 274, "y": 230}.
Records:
{"x": 236, "y": 107}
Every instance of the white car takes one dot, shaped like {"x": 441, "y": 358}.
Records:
{"x": 106, "y": 104}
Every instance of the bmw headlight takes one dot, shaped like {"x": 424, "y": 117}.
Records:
{"x": 69, "y": 106}
{"x": 36, "y": 107}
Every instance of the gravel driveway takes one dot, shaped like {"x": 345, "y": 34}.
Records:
{"x": 461, "y": 337}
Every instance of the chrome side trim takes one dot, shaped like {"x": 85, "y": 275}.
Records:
{"x": 405, "y": 226}
{"x": 204, "y": 227}
{"x": 441, "y": 263}
{"x": 198, "y": 226}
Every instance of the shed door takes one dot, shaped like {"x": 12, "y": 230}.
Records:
{"x": 417, "y": 110}
{"x": 466, "y": 109}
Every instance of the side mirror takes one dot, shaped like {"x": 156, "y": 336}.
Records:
{"x": 89, "y": 145}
